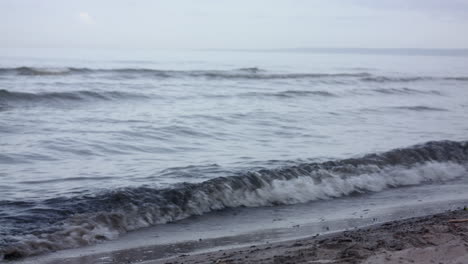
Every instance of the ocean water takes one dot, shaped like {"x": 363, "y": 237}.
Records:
{"x": 98, "y": 143}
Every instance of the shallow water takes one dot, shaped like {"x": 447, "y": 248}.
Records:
{"x": 132, "y": 139}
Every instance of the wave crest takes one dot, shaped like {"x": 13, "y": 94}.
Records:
{"x": 242, "y": 73}
{"x": 9, "y": 97}
{"x": 251, "y": 73}
{"x": 420, "y": 108}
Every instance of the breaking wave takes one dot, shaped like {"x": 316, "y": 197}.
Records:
{"x": 420, "y": 108}
{"x": 396, "y": 79}
{"x": 61, "y": 223}
{"x": 9, "y": 97}
{"x": 385, "y": 79}
{"x": 253, "y": 73}
{"x": 31, "y": 71}
{"x": 456, "y": 78}
{"x": 242, "y": 73}
{"x": 290, "y": 94}
{"x": 404, "y": 90}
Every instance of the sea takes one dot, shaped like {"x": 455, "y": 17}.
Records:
{"x": 97, "y": 144}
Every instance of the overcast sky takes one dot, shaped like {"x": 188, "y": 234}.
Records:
{"x": 234, "y": 24}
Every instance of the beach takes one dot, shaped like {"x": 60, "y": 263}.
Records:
{"x": 440, "y": 238}
{"x": 420, "y": 234}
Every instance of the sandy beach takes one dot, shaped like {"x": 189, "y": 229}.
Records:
{"x": 441, "y": 238}
{"x": 415, "y": 233}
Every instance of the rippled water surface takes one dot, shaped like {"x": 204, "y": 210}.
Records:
{"x": 91, "y": 132}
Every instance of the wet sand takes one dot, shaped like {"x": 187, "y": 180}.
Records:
{"x": 430, "y": 239}
{"x": 376, "y": 234}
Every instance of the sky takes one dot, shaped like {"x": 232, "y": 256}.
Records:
{"x": 234, "y": 24}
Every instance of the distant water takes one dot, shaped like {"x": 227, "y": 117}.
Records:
{"x": 98, "y": 143}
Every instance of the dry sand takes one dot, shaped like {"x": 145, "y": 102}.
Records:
{"x": 429, "y": 239}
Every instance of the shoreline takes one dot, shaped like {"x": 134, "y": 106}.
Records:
{"x": 428, "y": 239}
{"x": 433, "y": 238}
{"x": 167, "y": 243}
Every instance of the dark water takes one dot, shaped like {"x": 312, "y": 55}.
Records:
{"x": 95, "y": 144}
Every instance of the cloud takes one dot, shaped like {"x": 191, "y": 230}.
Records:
{"x": 86, "y": 18}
